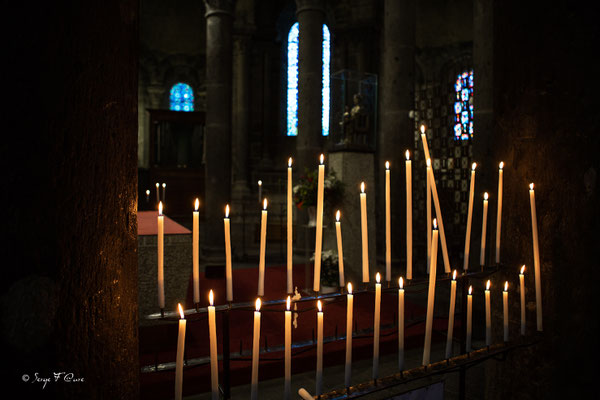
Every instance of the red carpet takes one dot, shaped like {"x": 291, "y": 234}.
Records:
{"x": 158, "y": 344}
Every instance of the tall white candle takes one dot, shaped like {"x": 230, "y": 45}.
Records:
{"x": 438, "y": 214}
{"x": 499, "y": 212}
{"x": 214, "y": 361}
{"x": 259, "y": 191}
{"x": 290, "y": 254}
{"x": 429, "y": 218}
{"x": 263, "y": 246}
{"x": 164, "y": 196}
{"x": 196, "y": 252}
{"x": 536, "y": 260}
{"x": 364, "y": 234}
{"x": 228, "y": 270}
{"x": 408, "y": 216}
{"x": 338, "y": 232}
{"x": 522, "y": 287}
{"x": 376, "y": 326}
{"x": 388, "y": 226}
{"x": 400, "y": 324}
{"x": 431, "y": 295}
{"x": 157, "y": 192}
{"x": 469, "y": 218}
{"x": 255, "y": 352}
{"x": 319, "y": 230}
{"x": 349, "y": 312}
{"x": 288, "y": 350}
{"x": 319, "y": 383}
{"x": 505, "y": 309}
{"x": 488, "y": 316}
{"x": 451, "y": 316}
{"x": 483, "y": 230}
{"x": 179, "y": 357}
{"x": 469, "y": 317}
{"x": 161, "y": 259}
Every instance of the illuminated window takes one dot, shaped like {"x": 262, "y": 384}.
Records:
{"x": 292, "y": 80}
{"x": 463, "y": 106}
{"x": 182, "y": 97}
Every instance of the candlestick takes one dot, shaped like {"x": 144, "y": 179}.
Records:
{"x": 451, "y": 316}
{"x": 214, "y": 362}
{"x": 505, "y": 309}
{"x": 259, "y": 191}
{"x": 400, "y": 324}
{"x": 179, "y": 357}
{"x": 469, "y": 317}
{"x": 429, "y": 219}
{"x": 349, "y": 312}
{"x": 255, "y": 352}
{"x": 228, "y": 269}
{"x": 488, "y": 316}
{"x": 319, "y": 385}
{"x": 536, "y": 260}
{"x": 499, "y": 212}
{"x": 319, "y": 230}
{"x": 388, "y": 226}
{"x": 157, "y": 193}
{"x": 408, "y": 217}
{"x": 161, "y": 259}
{"x": 522, "y": 282}
{"x": 288, "y": 350}
{"x": 483, "y": 230}
{"x": 164, "y": 194}
{"x": 263, "y": 246}
{"x": 469, "y": 218}
{"x": 364, "y": 234}
{"x": 338, "y": 232}
{"x": 376, "y": 326}
{"x": 148, "y": 196}
{"x": 431, "y": 294}
{"x": 438, "y": 214}
{"x": 290, "y": 254}
{"x": 196, "y": 252}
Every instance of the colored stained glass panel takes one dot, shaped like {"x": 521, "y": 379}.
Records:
{"x": 463, "y": 106}
{"x": 181, "y": 97}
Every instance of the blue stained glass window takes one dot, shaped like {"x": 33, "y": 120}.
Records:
{"x": 463, "y": 106}
{"x": 182, "y": 97}
{"x": 292, "y": 80}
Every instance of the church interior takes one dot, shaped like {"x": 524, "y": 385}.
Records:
{"x": 156, "y": 152}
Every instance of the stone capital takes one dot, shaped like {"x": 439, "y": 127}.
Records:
{"x": 310, "y": 5}
{"x": 215, "y": 7}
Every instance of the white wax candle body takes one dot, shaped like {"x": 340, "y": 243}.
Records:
{"x": 469, "y": 320}
{"x": 290, "y": 283}
{"x": 214, "y": 362}
{"x": 388, "y": 229}
{"x": 196, "y": 257}
{"x": 157, "y": 194}
{"x": 376, "y": 326}
{"x": 319, "y": 230}
{"x": 364, "y": 237}
{"x": 319, "y": 380}
{"x": 430, "y": 298}
{"x": 161, "y": 270}
{"x": 522, "y": 286}
{"x": 536, "y": 262}
{"x": 401, "y": 329}
{"x": 429, "y": 219}
{"x": 499, "y": 215}
{"x": 228, "y": 269}
{"x": 348, "y": 367}
{"x": 408, "y": 220}
{"x": 338, "y": 232}
{"x": 469, "y": 221}
{"x": 288, "y": 354}
{"x": 483, "y": 233}
{"x": 263, "y": 245}
{"x": 488, "y": 319}
{"x": 505, "y": 309}
{"x": 451, "y": 319}
{"x": 179, "y": 360}
{"x": 438, "y": 214}
{"x": 255, "y": 356}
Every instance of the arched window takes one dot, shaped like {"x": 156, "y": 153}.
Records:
{"x": 292, "y": 80}
{"x": 182, "y": 97}
{"x": 463, "y": 106}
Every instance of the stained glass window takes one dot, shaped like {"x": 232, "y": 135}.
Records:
{"x": 182, "y": 97}
{"x": 292, "y": 80}
{"x": 463, "y": 106}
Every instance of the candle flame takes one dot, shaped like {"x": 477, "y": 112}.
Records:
{"x": 180, "y": 311}
{"x": 378, "y": 277}
{"x": 474, "y": 166}
{"x": 407, "y": 155}
{"x": 422, "y": 129}
{"x": 428, "y": 163}
{"x": 288, "y": 302}
{"x": 257, "y": 304}
{"x": 501, "y": 164}
{"x": 157, "y": 184}
{"x": 211, "y": 297}
{"x": 265, "y": 204}
{"x": 485, "y": 196}
{"x": 227, "y": 211}
{"x": 387, "y": 165}
{"x": 164, "y": 185}
{"x": 470, "y": 290}
{"x": 362, "y": 187}
{"x": 349, "y": 287}
{"x": 321, "y": 159}
{"x": 147, "y": 192}
{"x": 435, "y": 223}
{"x": 454, "y": 275}
{"x": 290, "y": 162}
{"x": 197, "y": 204}
{"x": 523, "y": 269}
{"x": 259, "y": 182}
{"x": 531, "y": 186}
{"x": 337, "y": 216}
{"x": 506, "y": 286}
{"x": 319, "y": 306}
{"x": 160, "y": 208}
{"x": 487, "y": 285}
{"x": 401, "y": 283}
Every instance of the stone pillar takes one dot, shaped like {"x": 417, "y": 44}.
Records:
{"x": 219, "y": 37}
{"x": 396, "y": 129}
{"x": 239, "y": 148}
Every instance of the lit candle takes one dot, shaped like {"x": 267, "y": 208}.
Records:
{"x": 164, "y": 196}
{"x": 499, "y": 212}
{"x": 179, "y": 358}
{"x": 263, "y": 246}
{"x": 438, "y": 214}
{"x": 349, "y": 312}
{"x": 228, "y": 270}
{"x": 469, "y": 218}
{"x": 319, "y": 230}
{"x": 148, "y": 196}
{"x": 365, "y": 238}
{"x": 469, "y": 317}
{"x": 255, "y": 352}
{"x": 488, "y": 316}
{"x": 376, "y": 326}
{"x": 319, "y": 388}
{"x": 290, "y": 254}
{"x": 431, "y": 294}
{"x": 400, "y": 324}
{"x": 505, "y": 309}
{"x": 424, "y": 140}
{"x": 451, "y": 316}
{"x": 338, "y": 232}
{"x": 214, "y": 362}
{"x": 388, "y": 226}
{"x": 259, "y": 191}
{"x": 161, "y": 258}
{"x": 483, "y": 230}
{"x": 536, "y": 259}
{"x": 196, "y": 252}
{"x": 429, "y": 219}
{"x": 522, "y": 282}
{"x": 288, "y": 350}
{"x": 408, "y": 216}
{"x": 157, "y": 192}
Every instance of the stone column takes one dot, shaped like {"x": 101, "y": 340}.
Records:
{"x": 239, "y": 148}
{"x": 396, "y": 129}
{"x": 219, "y": 37}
